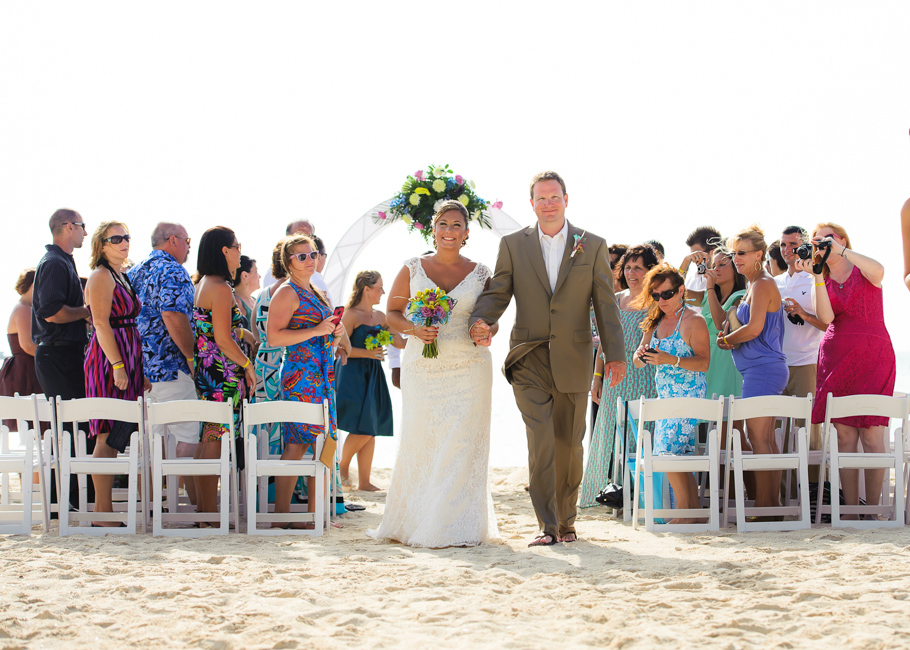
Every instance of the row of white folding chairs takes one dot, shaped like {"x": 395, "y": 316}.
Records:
{"x": 146, "y": 464}
{"x": 797, "y": 458}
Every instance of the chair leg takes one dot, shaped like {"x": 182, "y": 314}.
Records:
{"x": 835, "y": 482}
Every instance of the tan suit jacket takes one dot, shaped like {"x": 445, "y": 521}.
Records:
{"x": 560, "y": 318}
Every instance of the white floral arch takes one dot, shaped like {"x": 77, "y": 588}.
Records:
{"x": 358, "y": 236}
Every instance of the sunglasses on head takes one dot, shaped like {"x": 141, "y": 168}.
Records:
{"x": 664, "y": 295}
{"x": 301, "y": 257}
{"x": 116, "y": 239}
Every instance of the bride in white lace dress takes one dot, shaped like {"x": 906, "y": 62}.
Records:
{"x": 439, "y": 494}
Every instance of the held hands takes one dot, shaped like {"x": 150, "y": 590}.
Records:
{"x": 480, "y": 334}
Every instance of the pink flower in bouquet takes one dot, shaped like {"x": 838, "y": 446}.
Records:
{"x": 382, "y": 215}
{"x": 497, "y": 205}
{"x": 419, "y": 175}
{"x": 459, "y": 180}
{"x": 426, "y": 312}
{"x": 418, "y": 226}
{"x": 439, "y": 313}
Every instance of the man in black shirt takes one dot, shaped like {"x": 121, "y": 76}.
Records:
{"x": 58, "y": 316}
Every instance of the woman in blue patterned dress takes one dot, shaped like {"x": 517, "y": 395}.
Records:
{"x": 633, "y": 266}
{"x": 676, "y": 341}
{"x": 300, "y": 320}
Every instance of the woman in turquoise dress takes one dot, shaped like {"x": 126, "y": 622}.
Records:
{"x": 676, "y": 342}
{"x": 364, "y": 404}
{"x": 223, "y": 372}
{"x": 633, "y": 266}
{"x": 726, "y": 288}
{"x": 300, "y": 320}
{"x": 268, "y": 357}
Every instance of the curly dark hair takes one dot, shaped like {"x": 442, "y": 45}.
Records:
{"x": 643, "y": 252}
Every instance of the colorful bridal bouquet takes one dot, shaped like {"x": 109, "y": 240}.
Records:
{"x": 380, "y": 338}
{"x": 422, "y": 193}
{"x": 430, "y": 308}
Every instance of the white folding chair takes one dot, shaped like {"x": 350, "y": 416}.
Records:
{"x": 23, "y": 459}
{"x": 630, "y": 483}
{"x": 775, "y": 406}
{"x": 892, "y": 460}
{"x": 49, "y": 450}
{"x": 171, "y": 467}
{"x": 257, "y": 467}
{"x": 101, "y": 408}
{"x": 651, "y": 410}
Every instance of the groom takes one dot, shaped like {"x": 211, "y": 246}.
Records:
{"x": 555, "y": 271}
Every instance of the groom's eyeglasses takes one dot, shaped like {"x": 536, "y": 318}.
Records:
{"x": 665, "y": 295}
{"x": 302, "y": 257}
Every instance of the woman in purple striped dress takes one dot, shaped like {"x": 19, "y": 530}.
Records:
{"x": 113, "y": 359}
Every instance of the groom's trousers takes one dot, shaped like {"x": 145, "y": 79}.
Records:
{"x": 555, "y": 424}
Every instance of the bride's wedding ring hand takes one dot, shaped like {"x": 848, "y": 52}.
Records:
{"x": 427, "y": 334}
{"x": 480, "y": 334}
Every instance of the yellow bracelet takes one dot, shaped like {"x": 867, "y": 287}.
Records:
{"x": 118, "y": 365}
{"x": 246, "y": 365}
{"x": 599, "y": 374}
{"x": 724, "y": 339}
{"x": 190, "y": 361}
{"x": 240, "y": 337}
{"x": 819, "y": 284}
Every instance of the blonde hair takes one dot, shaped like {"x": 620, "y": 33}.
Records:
{"x": 363, "y": 280}
{"x": 96, "y": 258}
{"x": 654, "y": 278}
{"x": 839, "y": 230}
{"x": 286, "y": 245}
{"x": 754, "y": 235}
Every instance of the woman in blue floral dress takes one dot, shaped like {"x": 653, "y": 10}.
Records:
{"x": 676, "y": 342}
{"x": 300, "y": 320}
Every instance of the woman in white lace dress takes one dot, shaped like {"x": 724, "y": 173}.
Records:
{"x": 439, "y": 494}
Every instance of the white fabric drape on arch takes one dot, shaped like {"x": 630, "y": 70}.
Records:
{"x": 341, "y": 261}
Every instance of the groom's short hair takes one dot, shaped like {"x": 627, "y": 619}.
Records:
{"x": 548, "y": 176}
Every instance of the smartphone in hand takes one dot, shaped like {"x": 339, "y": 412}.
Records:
{"x": 337, "y": 314}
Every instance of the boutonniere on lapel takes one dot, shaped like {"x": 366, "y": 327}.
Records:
{"x": 579, "y": 246}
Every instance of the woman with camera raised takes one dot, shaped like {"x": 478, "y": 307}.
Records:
{"x": 856, "y": 356}
{"x": 676, "y": 341}
{"x": 757, "y": 347}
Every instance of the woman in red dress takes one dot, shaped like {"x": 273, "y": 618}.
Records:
{"x": 856, "y": 356}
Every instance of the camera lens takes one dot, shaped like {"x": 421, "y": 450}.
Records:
{"x": 702, "y": 268}
{"x": 804, "y": 251}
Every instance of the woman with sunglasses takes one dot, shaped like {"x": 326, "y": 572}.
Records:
{"x": 676, "y": 342}
{"x": 856, "y": 355}
{"x": 364, "y": 404}
{"x": 300, "y": 319}
{"x": 757, "y": 347}
{"x": 224, "y": 373}
{"x": 113, "y": 359}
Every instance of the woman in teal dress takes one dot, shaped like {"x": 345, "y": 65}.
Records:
{"x": 726, "y": 288}
{"x": 268, "y": 357}
{"x": 364, "y": 404}
{"x": 633, "y": 266}
{"x": 300, "y": 320}
{"x": 676, "y": 342}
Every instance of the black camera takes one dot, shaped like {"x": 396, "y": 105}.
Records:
{"x": 796, "y": 319}
{"x": 804, "y": 251}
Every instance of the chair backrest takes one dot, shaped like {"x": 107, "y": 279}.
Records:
{"x": 669, "y": 408}
{"x": 859, "y": 405}
{"x": 775, "y": 406}
{"x": 100, "y": 408}
{"x": 283, "y": 411}
{"x": 190, "y": 410}
{"x": 18, "y": 408}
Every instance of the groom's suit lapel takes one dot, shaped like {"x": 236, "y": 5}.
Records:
{"x": 566, "y": 257}
{"x": 535, "y": 254}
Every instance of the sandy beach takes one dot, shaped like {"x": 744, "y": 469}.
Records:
{"x": 615, "y": 588}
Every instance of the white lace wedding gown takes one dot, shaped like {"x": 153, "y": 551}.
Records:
{"x": 439, "y": 494}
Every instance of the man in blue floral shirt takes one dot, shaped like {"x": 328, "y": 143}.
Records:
{"x": 166, "y": 292}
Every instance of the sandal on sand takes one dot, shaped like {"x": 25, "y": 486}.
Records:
{"x": 540, "y": 540}
{"x": 565, "y": 538}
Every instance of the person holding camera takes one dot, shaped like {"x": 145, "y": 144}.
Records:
{"x": 702, "y": 243}
{"x": 856, "y": 356}
{"x": 676, "y": 341}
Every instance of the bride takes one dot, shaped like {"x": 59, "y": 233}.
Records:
{"x": 439, "y": 494}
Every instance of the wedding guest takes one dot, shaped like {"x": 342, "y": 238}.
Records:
{"x": 702, "y": 243}
{"x": 165, "y": 290}
{"x": 246, "y": 282}
{"x": 300, "y": 227}
{"x": 676, "y": 342}
{"x": 726, "y": 287}
{"x": 268, "y": 357}
{"x": 856, "y": 355}
{"x": 223, "y": 372}
{"x": 616, "y": 251}
{"x": 905, "y": 236}
{"x": 635, "y": 264}
{"x": 18, "y": 372}
{"x": 775, "y": 264}
{"x": 300, "y": 319}
{"x": 758, "y": 349}
{"x": 59, "y": 322}
{"x": 364, "y": 405}
{"x": 658, "y": 248}
{"x": 113, "y": 359}
{"x": 803, "y": 331}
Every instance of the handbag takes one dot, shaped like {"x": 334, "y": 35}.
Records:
{"x": 327, "y": 457}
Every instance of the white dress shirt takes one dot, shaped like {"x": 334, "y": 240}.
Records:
{"x": 801, "y": 342}
{"x": 553, "y": 248}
